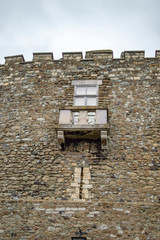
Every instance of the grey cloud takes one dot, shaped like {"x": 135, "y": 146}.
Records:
{"x": 60, "y": 25}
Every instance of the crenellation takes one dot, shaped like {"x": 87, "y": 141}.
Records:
{"x": 90, "y": 56}
{"x": 46, "y": 56}
{"x": 157, "y": 53}
{"x": 72, "y": 55}
{"x": 133, "y": 55}
{"x": 99, "y": 54}
{"x": 14, "y": 59}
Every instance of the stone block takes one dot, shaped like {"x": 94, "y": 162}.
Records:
{"x": 72, "y": 55}
{"x": 65, "y": 117}
{"x": 38, "y": 57}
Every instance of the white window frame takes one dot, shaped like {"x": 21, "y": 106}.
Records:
{"x": 86, "y": 96}
{"x": 85, "y": 83}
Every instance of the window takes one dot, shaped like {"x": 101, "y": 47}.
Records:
{"x": 86, "y": 95}
{"x": 86, "y": 92}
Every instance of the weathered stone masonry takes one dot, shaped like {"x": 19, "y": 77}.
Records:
{"x": 108, "y": 188}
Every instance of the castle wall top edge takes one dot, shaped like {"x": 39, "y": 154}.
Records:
{"x": 42, "y": 53}
{"x": 43, "y": 56}
{"x": 63, "y": 53}
{"x": 78, "y": 56}
{"x": 100, "y": 51}
{"x": 14, "y": 58}
{"x": 72, "y": 55}
{"x": 135, "y": 51}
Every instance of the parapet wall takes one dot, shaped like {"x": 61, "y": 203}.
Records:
{"x": 78, "y": 56}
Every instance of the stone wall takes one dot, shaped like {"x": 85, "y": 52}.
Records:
{"x": 37, "y": 174}
{"x": 43, "y": 220}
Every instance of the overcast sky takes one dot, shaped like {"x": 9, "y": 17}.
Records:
{"x": 57, "y": 26}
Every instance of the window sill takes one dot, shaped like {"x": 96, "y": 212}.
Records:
{"x": 83, "y": 108}
{"x": 71, "y": 127}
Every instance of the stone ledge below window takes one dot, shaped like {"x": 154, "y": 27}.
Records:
{"x": 83, "y": 132}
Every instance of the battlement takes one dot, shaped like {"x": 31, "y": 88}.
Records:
{"x": 72, "y": 55}
{"x": 43, "y": 56}
{"x": 157, "y": 53}
{"x": 133, "y": 54}
{"x": 14, "y": 59}
{"x": 105, "y": 54}
{"x": 95, "y": 55}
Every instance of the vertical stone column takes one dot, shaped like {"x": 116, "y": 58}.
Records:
{"x": 86, "y": 194}
{"x": 76, "y": 183}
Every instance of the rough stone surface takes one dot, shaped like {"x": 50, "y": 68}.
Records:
{"x": 47, "y": 192}
{"x": 60, "y": 219}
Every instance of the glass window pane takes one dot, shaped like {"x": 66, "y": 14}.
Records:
{"x": 92, "y": 101}
{"x": 92, "y": 90}
{"x": 79, "y": 101}
{"x": 80, "y": 90}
